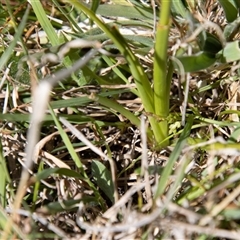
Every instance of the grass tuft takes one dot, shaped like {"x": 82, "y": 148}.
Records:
{"x": 119, "y": 119}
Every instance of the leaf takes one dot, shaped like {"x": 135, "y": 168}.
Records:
{"x": 94, "y": 7}
{"x": 8, "y": 52}
{"x": 178, "y": 8}
{"x": 129, "y": 12}
{"x": 230, "y": 53}
{"x": 18, "y": 117}
{"x": 61, "y": 171}
{"x": 163, "y": 181}
{"x": 197, "y": 62}
{"x": 103, "y": 178}
{"x": 147, "y": 41}
{"x": 80, "y": 101}
{"x": 231, "y": 214}
{"x": 209, "y": 43}
{"x": 45, "y": 23}
{"x": 230, "y": 9}
{"x": 67, "y": 205}
{"x": 5, "y": 178}
{"x": 231, "y": 29}
{"x": 55, "y": 207}
{"x": 235, "y": 135}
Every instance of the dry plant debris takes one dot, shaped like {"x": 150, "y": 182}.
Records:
{"x": 110, "y": 194}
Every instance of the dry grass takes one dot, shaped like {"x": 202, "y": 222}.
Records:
{"x": 111, "y": 194}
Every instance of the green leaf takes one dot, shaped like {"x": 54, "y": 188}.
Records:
{"x": 95, "y": 5}
{"x": 237, "y": 3}
{"x": 5, "y": 178}
{"x": 64, "y": 205}
{"x": 230, "y": 9}
{"x": 103, "y": 178}
{"x": 209, "y": 43}
{"x": 61, "y": 171}
{"x": 178, "y": 8}
{"x": 163, "y": 181}
{"x": 147, "y": 41}
{"x": 45, "y": 23}
{"x": 67, "y": 142}
{"x": 231, "y": 214}
{"x": 230, "y": 53}
{"x": 19, "y": 117}
{"x": 73, "y": 102}
{"x": 231, "y": 29}
{"x": 197, "y": 62}
{"x": 7, "y": 54}
{"x": 129, "y": 12}
{"x": 68, "y": 205}
{"x": 235, "y": 135}
{"x": 118, "y": 108}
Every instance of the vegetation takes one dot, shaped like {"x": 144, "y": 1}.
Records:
{"x": 120, "y": 119}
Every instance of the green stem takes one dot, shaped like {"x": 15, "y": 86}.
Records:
{"x": 161, "y": 74}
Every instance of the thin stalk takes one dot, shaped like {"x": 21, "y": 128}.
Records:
{"x": 161, "y": 78}
{"x": 142, "y": 82}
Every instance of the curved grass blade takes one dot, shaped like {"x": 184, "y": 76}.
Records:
{"x": 140, "y": 77}
{"x": 197, "y": 62}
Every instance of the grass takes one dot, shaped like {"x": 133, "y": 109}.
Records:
{"x": 120, "y": 120}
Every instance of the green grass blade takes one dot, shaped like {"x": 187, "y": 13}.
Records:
{"x": 75, "y": 158}
{"x": 118, "y": 108}
{"x": 5, "y": 178}
{"x": 197, "y": 62}
{"x": 44, "y": 21}
{"x": 67, "y": 142}
{"x": 67, "y": 15}
{"x": 141, "y": 79}
{"x": 50, "y": 31}
{"x": 163, "y": 181}
{"x": 230, "y": 9}
{"x": 7, "y": 54}
{"x": 128, "y": 12}
{"x": 178, "y": 8}
{"x": 102, "y": 176}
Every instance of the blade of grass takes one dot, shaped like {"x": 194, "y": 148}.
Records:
{"x": 7, "y": 54}
{"x": 75, "y": 158}
{"x": 66, "y": 141}
{"x": 50, "y": 31}
{"x": 37, "y": 185}
{"x": 140, "y": 77}
{"x": 230, "y": 9}
{"x": 118, "y": 72}
{"x": 67, "y": 16}
{"x": 118, "y": 108}
{"x": 44, "y": 21}
{"x": 163, "y": 181}
{"x": 5, "y": 178}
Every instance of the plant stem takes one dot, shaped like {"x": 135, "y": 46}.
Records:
{"x": 161, "y": 78}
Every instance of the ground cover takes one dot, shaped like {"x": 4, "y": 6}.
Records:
{"x": 119, "y": 119}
